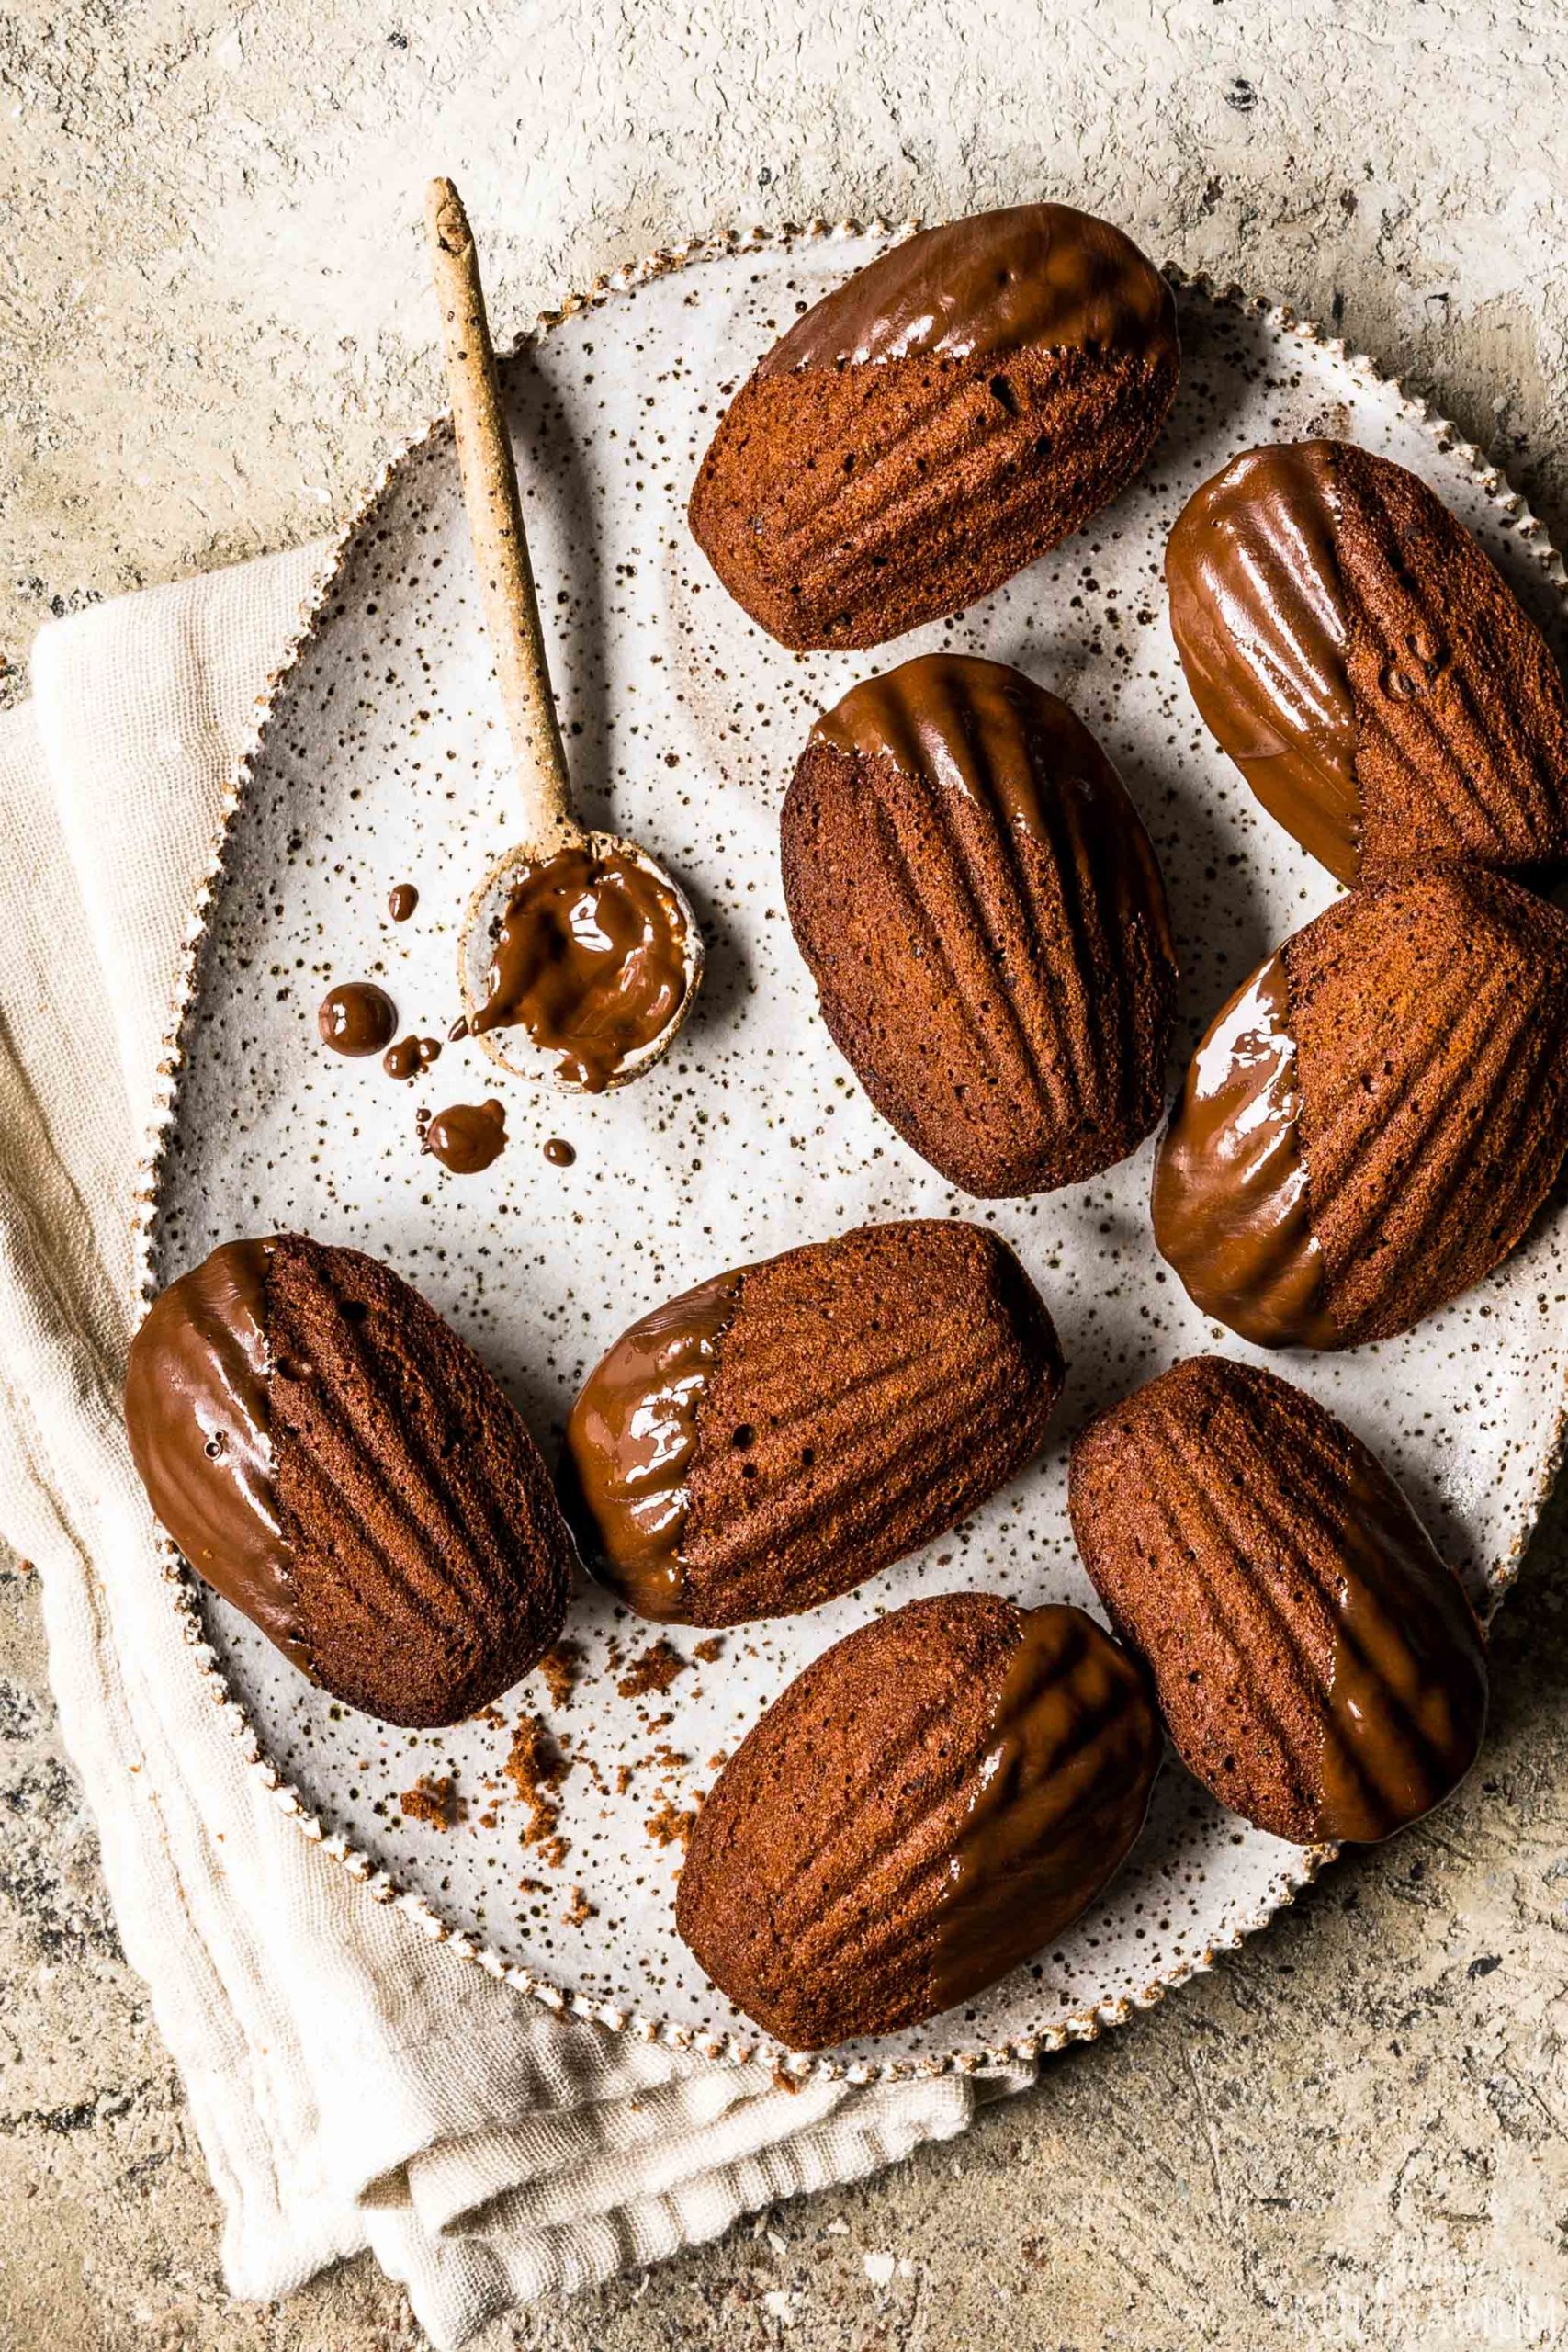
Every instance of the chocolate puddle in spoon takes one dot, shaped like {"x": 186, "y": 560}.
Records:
{"x": 590, "y": 960}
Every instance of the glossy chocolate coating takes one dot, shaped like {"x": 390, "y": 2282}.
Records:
{"x": 1038, "y": 273}
{"x": 358, "y": 1018}
{"x": 196, "y": 1415}
{"x": 401, "y": 900}
{"x": 984, "y": 916}
{"x": 987, "y": 730}
{"x": 1258, "y": 610}
{"x": 1317, "y": 1665}
{"x": 1407, "y": 1702}
{"x": 1231, "y": 1211}
{"x": 1059, "y": 1798}
{"x": 629, "y": 1442}
{"x": 591, "y": 960}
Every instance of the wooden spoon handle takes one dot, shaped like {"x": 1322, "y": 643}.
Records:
{"x": 495, "y": 524}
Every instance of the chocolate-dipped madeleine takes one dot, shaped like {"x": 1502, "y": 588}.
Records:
{"x": 777, "y": 1435}
{"x": 1318, "y": 1665}
{"x": 935, "y": 424}
{"x": 934, "y": 1799}
{"x": 334, "y": 1461}
{"x": 1369, "y": 672}
{"x": 983, "y": 915}
{"x": 1375, "y": 1117}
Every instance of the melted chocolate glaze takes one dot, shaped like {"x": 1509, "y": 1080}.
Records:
{"x": 1231, "y": 1210}
{"x": 403, "y": 901}
{"x": 1037, "y": 274}
{"x": 1258, "y": 612}
{"x": 1061, "y": 1795}
{"x": 1408, "y": 1694}
{"x": 195, "y": 1412}
{"x": 467, "y": 1137}
{"x": 957, "y": 718}
{"x": 559, "y": 1153}
{"x": 987, "y": 730}
{"x": 630, "y": 1440}
{"x": 590, "y": 961}
{"x": 356, "y": 1017}
{"x": 403, "y": 1060}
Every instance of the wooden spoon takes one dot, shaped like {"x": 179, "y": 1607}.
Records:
{"x": 517, "y": 647}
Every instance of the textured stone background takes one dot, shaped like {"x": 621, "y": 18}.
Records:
{"x": 213, "y": 320}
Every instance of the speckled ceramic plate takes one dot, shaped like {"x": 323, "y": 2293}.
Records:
{"x": 383, "y": 760}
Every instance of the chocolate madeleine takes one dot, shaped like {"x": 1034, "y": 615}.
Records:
{"x": 934, "y": 1799}
{"x": 1368, "y": 671}
{"x": 334, "y": 1461}
{"x": 1375, "y": 1117}
{"x": 1319, "y": 1666}
{"x": 983, "y": 915}
{"x": 780, "y": 1433}
{"x": 935, "y": 424}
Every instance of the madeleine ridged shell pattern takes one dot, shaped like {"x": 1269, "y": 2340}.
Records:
{"x": 1419, "y": 1028}
{"x": 983, "y": 914}
{"x": 1371, "y": 673}
{"x": 429, "y": 1560}
{"x": 1318, "y": 1665}
{"x": 1430, "y": 1017}
{"x": 848, "y": 498}
{"x": 931, "y": 1801}
{"x": 1461, "y": 723}
{"x": 853, "y": 1399}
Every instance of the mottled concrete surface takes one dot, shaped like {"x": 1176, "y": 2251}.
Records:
{"x": 213, "y": 320}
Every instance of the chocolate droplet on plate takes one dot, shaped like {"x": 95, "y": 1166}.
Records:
{"x": 559, "y": 1153}
{"x": 403, "y": 901}
{"x": 403, "y": 1060}
{"x": 358, "y": 1018}
{"x": 467, "y": 1137}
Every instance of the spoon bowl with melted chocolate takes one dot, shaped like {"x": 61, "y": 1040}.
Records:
{"x": 579, "y": 956}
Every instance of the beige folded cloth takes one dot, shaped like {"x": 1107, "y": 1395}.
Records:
{"x": 352, "y": 2083}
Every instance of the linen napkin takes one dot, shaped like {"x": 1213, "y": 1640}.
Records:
{"x": 352, "y": 2083}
